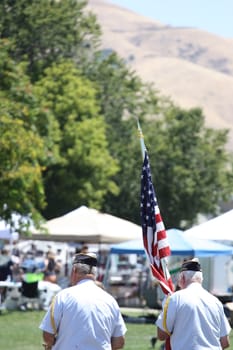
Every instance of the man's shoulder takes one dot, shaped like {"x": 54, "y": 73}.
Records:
{"x": 181, "y": 294}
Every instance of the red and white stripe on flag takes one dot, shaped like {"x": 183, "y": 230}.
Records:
{"x": 154, "y": 234}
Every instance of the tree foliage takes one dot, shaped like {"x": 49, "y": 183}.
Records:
{"x": 123, "y": 98}
{"x": 45, "y": 31}
{"x": 192, "y": 171}
{"x": 181, "y": 148}
{"x": 83, "y": 173}
{"x": 21, "y": 146}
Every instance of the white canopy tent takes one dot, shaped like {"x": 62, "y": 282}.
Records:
{"x": 89, "y": 226}
{"x": 6, "y": 233}
{"x": 219, "y": 228}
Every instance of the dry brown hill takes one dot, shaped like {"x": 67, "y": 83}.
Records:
{"x": 193, "y": 67}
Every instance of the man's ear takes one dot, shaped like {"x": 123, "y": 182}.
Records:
{"x": 183, "y": 280}
{"x": 74, "y": 270}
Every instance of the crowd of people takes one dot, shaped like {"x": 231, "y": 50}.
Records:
{"x": 14, "y": 264}
{"x": 191, "y": 317}
{"x": 47, "y": 262}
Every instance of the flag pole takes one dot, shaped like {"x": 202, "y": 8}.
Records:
{"x": 163, "y": 261}
{"x": 151, "y": 218}
{"x": 141, "y": 138}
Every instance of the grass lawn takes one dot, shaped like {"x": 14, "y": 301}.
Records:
{"x": 19, "y": 331}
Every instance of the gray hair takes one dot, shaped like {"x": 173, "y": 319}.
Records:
{"x": 85, "y": 269}
{"x": 192, "y": 276}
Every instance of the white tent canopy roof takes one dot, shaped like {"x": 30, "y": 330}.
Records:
{"x": 89, "y": 226}
{"x": 6, "y": 233}
{"x": 219, "y": 228}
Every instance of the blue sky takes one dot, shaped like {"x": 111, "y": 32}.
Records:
{"x": 214, "y": 16}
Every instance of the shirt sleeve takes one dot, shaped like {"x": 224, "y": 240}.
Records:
{"x": 165, "y": 320}
{"x": 51, "y": 319}
{"x": 45, "y": 324}
{"x": 225, "y": 327}
{"x": 120, "y": 327}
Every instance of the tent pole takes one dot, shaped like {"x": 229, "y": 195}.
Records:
{"x": 106, "y": 275}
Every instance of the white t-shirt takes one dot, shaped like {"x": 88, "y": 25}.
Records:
{"x": 195, "y": 318}
{"x": 86, "y": 317}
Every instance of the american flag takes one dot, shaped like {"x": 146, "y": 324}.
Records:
{"x": 155, "y": 239}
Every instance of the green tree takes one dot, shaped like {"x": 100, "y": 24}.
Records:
{"x": 192, "y": 171}
{"x": 83, "y": 175}
{"x": 123, "y": 98}
{"x": 46, "y": 31}
{"x": 178, "y": 141}
{"x": 23, "y": 151}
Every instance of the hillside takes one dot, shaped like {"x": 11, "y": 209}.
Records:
{"x": 193, "y": 67}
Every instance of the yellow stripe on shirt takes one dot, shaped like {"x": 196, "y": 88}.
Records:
{"x": 52, "y": 316}
{"x": 165, "y": 316}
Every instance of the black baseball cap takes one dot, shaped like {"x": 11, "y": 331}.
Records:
{"x": 87, "y": 259}
{"x": 190, "y": 265}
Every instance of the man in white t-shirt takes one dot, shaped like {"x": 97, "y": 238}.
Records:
{"x": 83, "y": 316}
{"x": 192, "y": 317}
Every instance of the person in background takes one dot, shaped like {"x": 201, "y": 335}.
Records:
{"x": 192, "y": 317}
{"x": 6, "y": 265}
{"x": 83, "y": 316}
{"x": 50, "y": 268}
{"x": 84, "y": 249}
{"x": 15, "y": 250}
